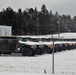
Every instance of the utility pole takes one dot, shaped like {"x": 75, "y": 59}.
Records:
{"x": 58, "y": 28}
{"x": 53, "y": 56}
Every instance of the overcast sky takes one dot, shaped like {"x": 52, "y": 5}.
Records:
{"x": 67, "y": 7}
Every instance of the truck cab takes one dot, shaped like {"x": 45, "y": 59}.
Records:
{"x": 8, "y": 44}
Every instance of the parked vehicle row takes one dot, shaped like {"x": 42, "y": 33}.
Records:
{"x": 31, "y": 47}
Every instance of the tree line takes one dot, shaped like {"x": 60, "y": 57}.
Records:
{"x": 34, "y": 22}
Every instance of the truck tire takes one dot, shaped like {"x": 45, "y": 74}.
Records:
{"x": 58, "y": 49}
{"x": 46, "y": 49}
{"x": 27, "y": 52}
{"x": 38, "y": 51}
{"x": 69, "y": 47}
{"x": 51, "y": 50}
{"x": 63, "y": 47}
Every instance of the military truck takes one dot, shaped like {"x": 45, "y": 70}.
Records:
{"x": 14, "y": 44}
{"x": 27, "y": 46}
{"x": 31, "y": 46}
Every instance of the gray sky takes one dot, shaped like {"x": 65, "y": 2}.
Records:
{"x": 67, "y": 7}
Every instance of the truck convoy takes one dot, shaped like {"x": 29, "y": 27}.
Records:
{"x": 31, "y": 46}
{"x": 34, "y": 45}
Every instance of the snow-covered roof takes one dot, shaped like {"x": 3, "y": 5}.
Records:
{"x": 45, "y": 43}
{"x": 68, "y": 35}
{"x": 61, "y": 36}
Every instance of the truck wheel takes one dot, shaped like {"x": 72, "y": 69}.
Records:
{"x": 51, "y": 50}
{"x": 46, "y": 49}
{"x": 38, "y": 51}
{"x": 28, "y": 52}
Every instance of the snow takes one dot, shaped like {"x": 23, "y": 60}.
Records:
{"x": 68, "y": 35}
{"x": 45, "y": 43}
{"x": 61, "y": 35}
{"x": 15, "y": 64}
{"x": 11, "y": 73}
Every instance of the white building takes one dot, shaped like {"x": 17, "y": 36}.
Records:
{"x": 5, "y": 30}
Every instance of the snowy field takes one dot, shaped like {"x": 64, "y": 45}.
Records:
{"x": 15, "y": 64}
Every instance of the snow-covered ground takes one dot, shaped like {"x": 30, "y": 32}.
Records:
{"x": 65, "y": 63}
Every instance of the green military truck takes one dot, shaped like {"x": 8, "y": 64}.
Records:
{"x": 26, "y": 46}
{"x": 11, "y": 44}
{"x": 30, "y": 46}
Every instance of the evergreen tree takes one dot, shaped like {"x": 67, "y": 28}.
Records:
{"x": 32, "y": 21}
{"x": 43, "y": 19}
